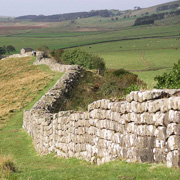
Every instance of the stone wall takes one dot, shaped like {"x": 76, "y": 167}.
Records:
{"x": 145, "y": 127}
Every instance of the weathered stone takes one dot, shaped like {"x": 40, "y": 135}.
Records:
{"x": 173, "y": 159}
{"x": 145, "y": 127}
{"x": 173, "y": 142}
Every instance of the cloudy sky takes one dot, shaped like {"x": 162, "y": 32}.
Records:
{"x": 47, "y": 7}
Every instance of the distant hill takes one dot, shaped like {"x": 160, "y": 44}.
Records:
{"x": 69, "y": 16}
{"x": 138, "y": 11}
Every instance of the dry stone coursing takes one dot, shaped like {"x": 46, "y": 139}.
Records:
{"x": 144, "y": 128}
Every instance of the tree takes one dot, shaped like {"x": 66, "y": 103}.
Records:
{"x": 84, "y": 59}
{"x": 2, "y": 50}
{"x": 169, "y": 80}
{"x": 10, "y": 48}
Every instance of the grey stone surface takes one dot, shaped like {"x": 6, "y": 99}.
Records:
{"x": 145, "y": 128}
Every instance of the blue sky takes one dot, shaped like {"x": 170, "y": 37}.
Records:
{"x": 47, "y": 7}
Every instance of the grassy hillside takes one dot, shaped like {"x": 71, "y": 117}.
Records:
{"x": 20, "y": 83}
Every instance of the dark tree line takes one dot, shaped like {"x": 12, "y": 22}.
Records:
{"x": 7, "y": 49}
{"x": 167, "y": 7}
{"x": 150, "y": 19}
{"x": 65, "y": 17}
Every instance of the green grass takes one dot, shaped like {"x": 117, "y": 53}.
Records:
{"x": 145, "y": 57}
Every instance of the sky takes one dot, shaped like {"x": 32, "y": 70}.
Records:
{"x": 48, "y": 7}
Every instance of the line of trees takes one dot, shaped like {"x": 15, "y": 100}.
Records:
{"x": 65, "y": 17}
{"x": 167, "y": 7}
{"x": 6, "y": 50}
{"x": 150, "y": 19}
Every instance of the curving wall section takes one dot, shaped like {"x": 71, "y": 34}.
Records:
{"x": 145, "y": 127}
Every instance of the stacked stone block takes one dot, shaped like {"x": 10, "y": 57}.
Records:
{"x": 145, "y": 127}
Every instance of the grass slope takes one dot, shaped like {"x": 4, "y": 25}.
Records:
{"x": 20, "y": 83}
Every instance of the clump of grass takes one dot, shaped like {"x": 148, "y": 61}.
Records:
{"x": 7, "y": 166}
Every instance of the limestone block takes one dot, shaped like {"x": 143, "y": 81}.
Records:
{"x": 146, "y": 95}
{"x": 141, "y": 107}
{"x": 145, "y": 155}
{"x": 159, "y": 155}
{"x": 141, "y": 130}
{"x": 159, "y": 119}
{"x": 173, "y": 103}
{"x": 101, "y": 144}
{"x": 123, "y": 108}
{"x": 136, "y": 96}
{"x": 102, "y": 124}
{"x": 133, "y": 117}
{"x": 173, "y": 142}
{"x": 108, "y": 134}
{"x": 86, "y": 123}
{"x": 134, "y": 106}
{"x": 108, "y": 114}
{"x": 125, "y": 117}
{"x": 111, "y": 125}
{"x": 143, "y": 118}
{"x": 116, "y": 138}
{"x": 174, "y": 116}
{"x": 164, "y": 105}
{"x": 101, "y": 153}
{"x": 128, "y": 107}
{"x": 115, "y": 116}
{"x": 173, "y": 129}
{"x": 130, "y": 127}
{"x": 92, "y": 130}
{"x": 93, "y": 122}
{"x": 103, "y": 134}
{"x": 150, "y": 130}
{"x": 110, "y": 105}
{"x": 129, "y": 98}
{"x": 102, "y": 114}
{"x": 94, "y": 114}
{"x": 173, "y": 159}
{"x": 153, "y": 106}
{"x": 144, "y": 142}
{"x": 160, "y": 133}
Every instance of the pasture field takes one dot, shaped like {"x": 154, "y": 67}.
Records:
{"x": 150, "y": 49}
{"x": 145, "y": 57}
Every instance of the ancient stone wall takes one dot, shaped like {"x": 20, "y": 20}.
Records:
{"x": 145, "y": 127}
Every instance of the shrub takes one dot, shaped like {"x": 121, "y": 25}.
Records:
{"x": 84, "y": 59}
{"x": 169, "y": 80}
{"x": 7, "y": 166}
{"x": 45, "y": 49}
{"x": 57, "y": 54}
{"x": 132, "y": 87}
{"x": 10, "y": 48}
{"x": 120, "y": 72}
